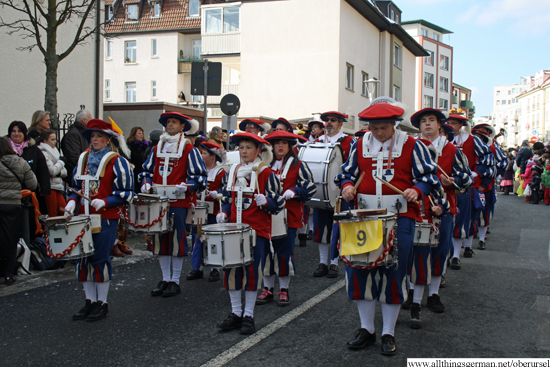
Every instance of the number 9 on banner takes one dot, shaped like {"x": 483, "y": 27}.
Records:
{"x": 360, "y": 237}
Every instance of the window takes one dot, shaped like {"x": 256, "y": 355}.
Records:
{"x": 424, "y": 32}
{"x": 396, "y": 93}
{"x": 436, "y": 37}
{"x": 397, "y": 55}
{"x": 498, "y": 102}
{"x": 443, "y": 84}
{"x": 396, "y": 18}
{"x": 194, "y": 8}
{"x": 130, "y": 54}
{"x": 392, "y": 15}
{"x": 132, "y": 12}
{"x": 364, "y": 85}
{"x": 509, "y": 102}
{"x": 109, "y": 49}
{"x": 509, "y": 92}
{"x": 349, "y": 77}
{"x": 107, "y": 89}
{"x": 428, "y": 101}
{"x": 154, "y": 89}
{"x": 498, "y": 93}
{"x": 130, "y": 91}
{"x": 196, "y": 49}
{"x": 108, "y": 12}
{"x": 503, "y": 101}
{"x": 216, "y": 17}
{"x": 154, "y": 48}
{"x": 429, "y": 60}
{"x": 443, "y": 104}
{"x": 156, "y": 9}
{"x": 428, "y": 80}
{"x": 444, "y": 62}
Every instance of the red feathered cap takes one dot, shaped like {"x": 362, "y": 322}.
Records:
{"x": 284, "y": 135}
{"x": 381, "y": 112}
{"x": 334, "y": 113}
{"x": 235, "y": 139}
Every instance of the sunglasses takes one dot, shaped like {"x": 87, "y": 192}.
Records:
{"x": 331, "y": 119}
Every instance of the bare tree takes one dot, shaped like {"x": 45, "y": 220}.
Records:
{"x": 39, "y": 18}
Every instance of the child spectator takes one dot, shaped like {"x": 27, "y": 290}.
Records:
{"x": 545, "y": 180}
{"x": 535, "y": 183}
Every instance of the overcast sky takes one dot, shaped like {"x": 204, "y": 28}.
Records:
{"x": 495, "y": 41}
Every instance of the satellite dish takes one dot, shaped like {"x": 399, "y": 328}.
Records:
{"x": 230, "y": 104}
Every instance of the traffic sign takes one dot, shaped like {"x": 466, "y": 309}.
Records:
{"x": 534, "y": 132}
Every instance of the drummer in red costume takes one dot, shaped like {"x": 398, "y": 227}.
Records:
{"x": 256, "y": 211}
{"x": 298, "y": 187}
{"x": 106, "y": 178}
{"x": 406, "y": 164}
{"x": 175, "y": 163}
{"x": 322, "y": 218}
{"x": 317, "y": 128}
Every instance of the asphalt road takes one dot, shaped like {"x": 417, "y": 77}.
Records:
{"x": 497, "y": 305}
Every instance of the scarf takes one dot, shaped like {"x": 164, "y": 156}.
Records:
{"x": 141, "y": 145}
{"x": 168, "y": 141}
{"x": 244, "y": 171}
{"x": 94, "y": 158}
{"x": 18, "y": 148}
{"x": 53, "y": 152}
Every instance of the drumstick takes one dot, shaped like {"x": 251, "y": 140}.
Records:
{"x": 448, "y": 178}
{"x": 429, "y": 197}
{"x": 63, "y": 211}
{"x": 220, "y": 196}
{"x": 79, "y": 194}
{"x": 199, "y": 228}
{"x": 255, "y": 169}
{"x": 358, "y": 182}
{"x": 394, "y": 188}
{"x": 183, "y": 183}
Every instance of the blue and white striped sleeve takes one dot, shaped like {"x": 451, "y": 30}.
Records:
{"x": 196, "y": 171}
{"x": 273, "y": 192}
{"x": 350, "y": 169}
{"x": 148, "y": 168}
{"x": 502, "y": 159}
{"x": 485, "y": 159}
{"x": 305, "y": 188}
{"x": 123, "y": 184}
{"x": 424, "y": 170}
{"x": 461, "y": 171}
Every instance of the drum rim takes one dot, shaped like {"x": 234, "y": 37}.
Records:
{"x": 209, "y": 228}
{"x": 74, "y": 220}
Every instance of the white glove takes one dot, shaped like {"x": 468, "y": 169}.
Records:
{"x": 69, "y": 208}
{"x": 214, "y": 195}
{"x": 145, "y": 188}
{"x": 260, "y": 199}
{"x": 474, "y": 174}
{"x": 288, "y": 194}
{"x": 98, "y": 204}
{"x": 221, "y": 217}
{"x": 182, "y": 188}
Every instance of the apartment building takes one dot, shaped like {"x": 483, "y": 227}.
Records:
{"x": 534, "y": 102}
{"x": 506, "y": 110}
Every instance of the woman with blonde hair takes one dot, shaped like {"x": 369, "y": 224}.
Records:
{"x": 40, "y": 122}
{"x": 56, "y": 167}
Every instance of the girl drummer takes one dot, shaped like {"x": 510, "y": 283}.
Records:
{"x": 298, "y": 187}
{"x": 110, "y": 182}
{"x": 256, "y": 211}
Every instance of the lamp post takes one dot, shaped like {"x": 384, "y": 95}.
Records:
{"x": 372, "y": 85}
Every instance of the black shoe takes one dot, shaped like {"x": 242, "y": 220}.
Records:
{"x": 388, "y": 345}
{"x": 214, "y": 275}
{"x": 310, "y": 235}
{"x": 455, "y": 263}
{"x": 488, "y": 230}
{"x": 416, "y": 322}
{"x": 9, "y": 279}
{"x": 332, "y": 271}
{"x": 434, "y": 304}
{"x": 231, "y": 322}
{"x": 99, "y": 311}
{"x": 84, "y": 311}
{"x": 172, "y": 290}
{"x": 407, "y": 304}
{"x": 248, "y": 326}
{"x": 303, "y": 243}
{"x": 468, "y": 252}
{"x": 443, "y": 283}
{"x": 161, "y": 287}
{"x": 481, "y": 245}
{"x": 265, "y": 297}
{"x": 194, "y": 274}
{"x": 362, "y": 339}
{"x": 321, "y": 271}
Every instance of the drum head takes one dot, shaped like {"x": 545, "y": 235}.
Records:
{"x": 226, "y": 227}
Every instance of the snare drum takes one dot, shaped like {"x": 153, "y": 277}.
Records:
{"x": 197, "y": 212}
{"x": 170, "y": 192}
{"x": 96, "y": 223}
{"x": 382, "y": 254}
{"x": 229, "y": 245}
{"x": 72, "y": 238}
{"x": 426, "y": 233}
{"x": 149, "y": 214}
{"x": 325, "y": 162}
{"x": 279, "y": 225}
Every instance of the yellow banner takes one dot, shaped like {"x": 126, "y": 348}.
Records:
{"x": 360, "y": 237}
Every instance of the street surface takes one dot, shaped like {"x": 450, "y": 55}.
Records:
{"x": 497, "y": 305}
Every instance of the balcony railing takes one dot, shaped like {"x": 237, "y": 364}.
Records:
{"x": 184, "y": 65}
{"x": 466, "y": 104}
{"x": 213, "y": 44}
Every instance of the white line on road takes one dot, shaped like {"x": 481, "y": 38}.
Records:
{"x": 263, "y": 333}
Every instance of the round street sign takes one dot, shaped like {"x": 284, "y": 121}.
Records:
{"x": 230, "y": 104}
{"x": 534, "y": 132}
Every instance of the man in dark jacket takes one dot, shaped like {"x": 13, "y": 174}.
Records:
{"x": 523, "y": 155}
{"x": 73, "y": 143}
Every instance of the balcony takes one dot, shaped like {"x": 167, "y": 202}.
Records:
{"x": 455, "y": 99}
{"x": 216, "y": 44}
{"x": 467, "y": 104}
{"x": 184, "y": 65}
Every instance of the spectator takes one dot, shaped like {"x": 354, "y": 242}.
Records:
{"x": 215, "y": 135}
{"x": 523, "y": 155}
{"x": 154, "y": 137}
{"x": 507, "y": 183}
{"x": 40, "y": 122}
{"x": 27, "y": 149}
{"x": 224, "y": 138}
{"x": 55, "y": 202}
{"x": 73, "y": 143}
{"x": 15, "y": 174}
{"x": 138, "y": 146}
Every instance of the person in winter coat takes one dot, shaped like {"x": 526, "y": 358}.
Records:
{"x": 39, "y": 123}
{"x": 74, "y": 143}
{"x": 138, "y": 145}
{"x": 507, "y": 183}
{"x": 55, "y": 202}
{"x": 528, "y": 175}
{"x": 545, "y": 181}
{"x": 15, "y": 174}
{"x": 523, "y": 155}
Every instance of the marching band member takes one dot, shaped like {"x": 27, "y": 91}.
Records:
{"x": 252, "y": 126}
{"x": 282, "y": 124}
{"x": 256, "y": 211}
{"x": 501, "y": 162}
{"x": 211, "y": 154}
{"x": 174, "y": 162}
{"x": 322, "y": 218}
{"x": 317, "y": 128}
{"x": 480, "y": 162}
{"x": 298, "y": 187}
{"x": 452, "y": 162}
{"x": 407, "y": 164}
{"x": 106, "y": 178}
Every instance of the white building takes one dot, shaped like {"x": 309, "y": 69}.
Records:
{"x": 506, "y": 108}
{"x": 534, "y": 108}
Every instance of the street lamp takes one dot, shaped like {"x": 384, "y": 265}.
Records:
{"x": 372, "y": 87}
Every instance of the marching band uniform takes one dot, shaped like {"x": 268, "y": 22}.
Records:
{"x": 215, "y": 182}
{"x": 107, "y": 179}
{"x": 480, "y": 162}
{"x": 252, "y": 126}
{"x": 297, "y": 187}
{"x": 322, "y": 218}
{"x": 311, "y": 124}
{"x": 256, "y": 211}
{"x": 407, "y": 164}
{"x": 174, "y": 161}
{"x": 285, "y": 125}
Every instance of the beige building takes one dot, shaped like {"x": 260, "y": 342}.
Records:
{"x": 534, "y": 108}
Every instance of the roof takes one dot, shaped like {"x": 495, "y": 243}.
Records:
{"x": 371, "y": 12}
{"x": 425, "y": 23}
{"x": 535, "y": 87}
{"x": 173, "y": 16}
{"x": 461, "y": 87}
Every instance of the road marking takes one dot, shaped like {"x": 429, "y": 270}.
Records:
{"x": 266, "y": 331}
